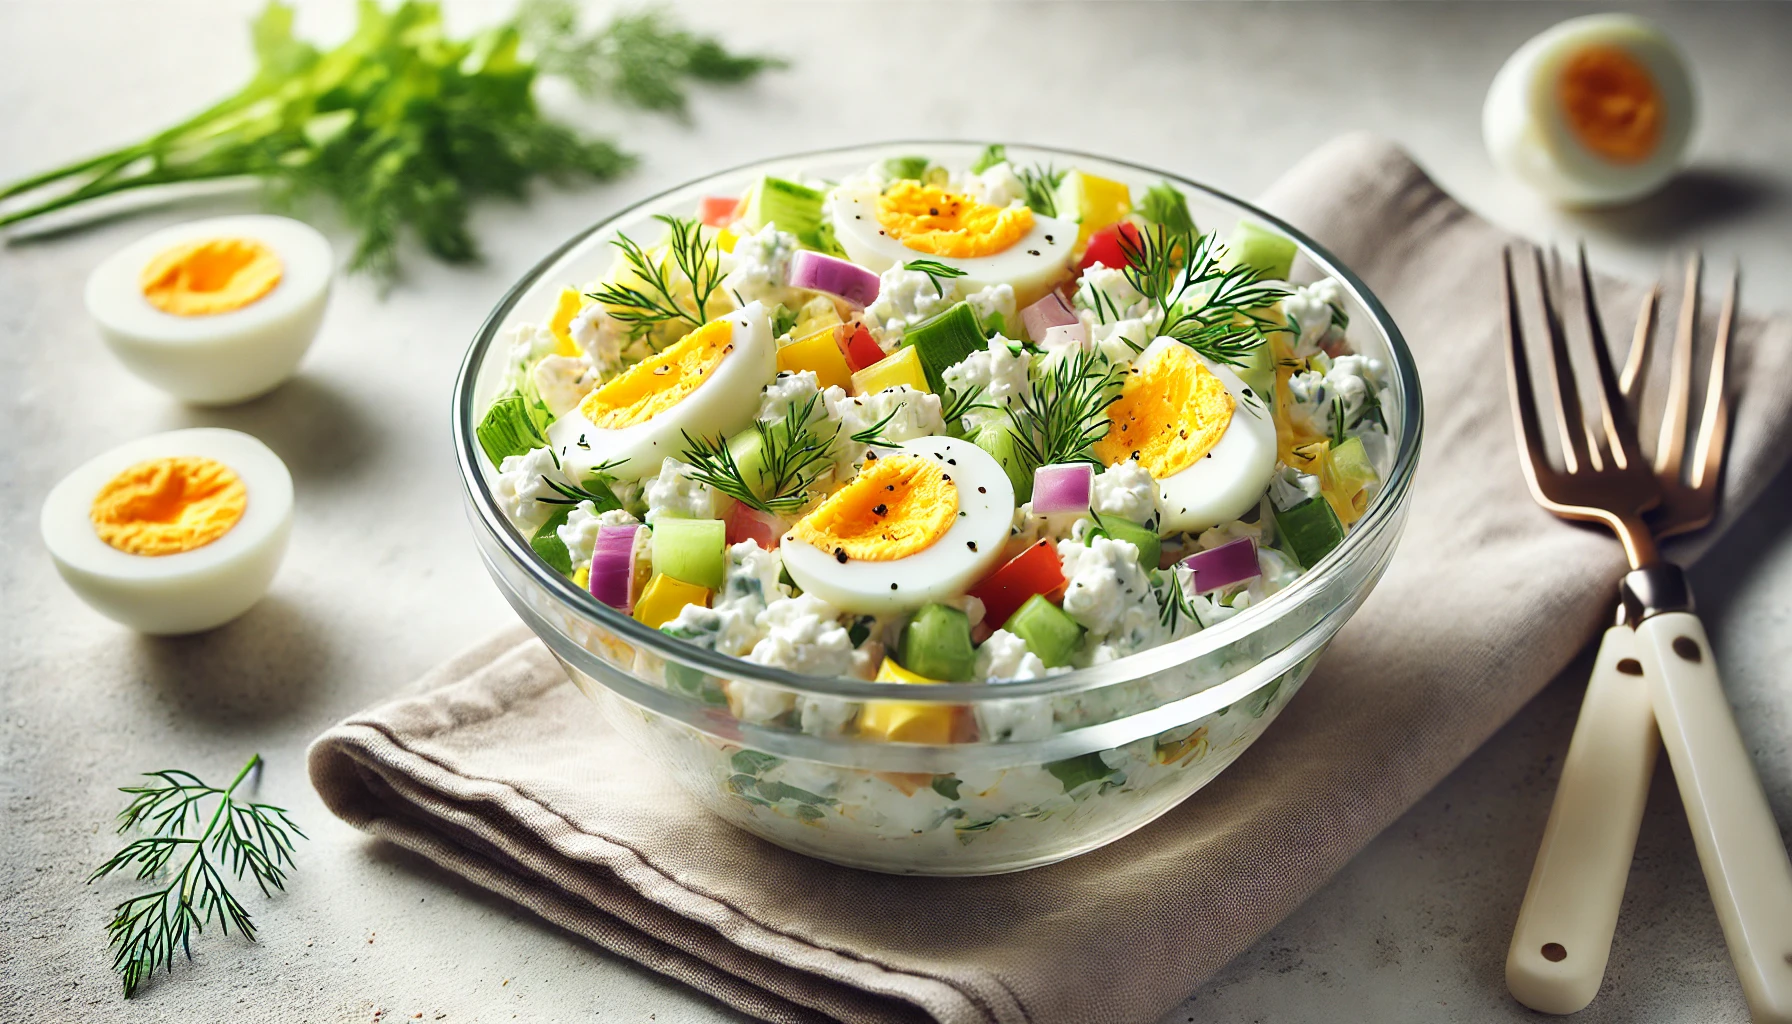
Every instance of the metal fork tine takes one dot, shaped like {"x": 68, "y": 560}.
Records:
{"x": 1614, "y": 414}
{"x": 1636, "y": 362}
{"x": 1568, "y": 415}
{"x": 1670, "y": 445}
{"x": 1714, "y": 419}
{"x": 1524, "y": 396}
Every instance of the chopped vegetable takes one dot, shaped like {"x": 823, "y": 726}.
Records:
{"x": 748, "y": 523}
{"x": 1143, "y": 538}
{"x": 1232, "y": 562}
{"x": 1312, "y": 530}
{"x": 1051, "y": 311}
{"x": 944, "y": 340}
{"x": 1108, "y": 247}
{"x": 860, "y": 348}
{"x": 992, "y": 155}
{"x": 718, "y": 211}
{"x": 937, "y": 643}
{"x": 1344, "y": 478}
{"x": 1255, "y": 246}
{"x": 816, "y": 314}
{"x": 615, "y": 565}
{"x": 665, "y": 597}
{"x": 1165, "y": 204}
{"x": 819, "y": 353}
{"x": 900, "y": 367}
{"x": 821, "y": 273}
{"x": 692, "y": 550}
{"x": 1047, "y": 630}
{"x": 1035, "y": 571}
{"x": 1093, "y": 202}
{"x": 911, "y": 167}
{"x": 568, "y": 306}
{"x": 792, "y": 207}
{"x": 547, "y": 543}
{"x": 509, "y": 428}
{"x": 1083, "y": 770}
{"x": 896, "y": 721}
{"x": 1063, "y": 487}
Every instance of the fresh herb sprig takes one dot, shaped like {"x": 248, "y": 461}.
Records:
{"x": 1040, "y": 184}
{"x": 874, "y": 434}
{"x": 1068, "y": 410}
{"x": 793, "y": 453}
{"x": 1215, "y": 310}
{"x": 654, "y": 296}
{"x": 1174, "y": 605}
{"x": 233, "y": 838}
{"x": 935, "y": 270}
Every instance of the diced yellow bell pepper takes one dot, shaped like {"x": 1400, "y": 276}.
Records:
{"x": 902, "y": 366}
{"x": 665, "y": 597}
{"x": 896, "y": 721}
{"x": 561, "y": 322}
{"x": 1093, "y": 201}
{"x": 582, "y": 577}
{"x": 725, "y": 240}
{"x": 818, "y": 352}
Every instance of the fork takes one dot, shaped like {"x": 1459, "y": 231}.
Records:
{"x": 1654, "y": 664}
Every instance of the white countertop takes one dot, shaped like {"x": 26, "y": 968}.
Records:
{"x": 382, "y": 580}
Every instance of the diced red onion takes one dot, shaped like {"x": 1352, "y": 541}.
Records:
{"x": 748, "y": 523}
{"x": 1051, "y": 311}
{"x": 718, "y": 211}
{"x": 1066, "y": 487}
{"x": 1231, "y": 562}
{"x": 613, "y": 565}
{"x": 1071, "y": 336}
{"x": 821, "y": 273}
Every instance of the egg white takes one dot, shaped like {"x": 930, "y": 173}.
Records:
{"x": 1031, "y": 266}
{"x": 1527, "y": 133}
{"x": 192, "y": 590}
{"x": 724, "y": 403}
{"x": 943, "y": 569}
{"x": 1230, "y": 479}
{"x": 223, "y": 357}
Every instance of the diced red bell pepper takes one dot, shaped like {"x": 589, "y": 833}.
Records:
{"x": 1037, "y": 570}
{"x": 747, "y": 523}
{"x": 718, "y": 211}
{"x": 860, "y": 348}
{"x": 1104, "y": 246}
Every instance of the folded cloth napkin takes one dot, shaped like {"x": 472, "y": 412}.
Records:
{"x": 498, "y": 769}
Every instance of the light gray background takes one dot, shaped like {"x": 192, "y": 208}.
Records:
{"x": 382, "y": 581}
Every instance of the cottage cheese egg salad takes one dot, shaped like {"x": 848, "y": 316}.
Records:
{"x": 926, "y": 424}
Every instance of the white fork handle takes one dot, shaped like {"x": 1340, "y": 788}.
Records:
{"x": 1564, "y": 931}
{"x": 1739, "y": 844}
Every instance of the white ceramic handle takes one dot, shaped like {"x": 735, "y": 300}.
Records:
{"x": 1739, "y": 844}
{"x": 1564, "y": 930}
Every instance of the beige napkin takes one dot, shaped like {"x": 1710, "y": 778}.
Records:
{"x": 499, "y": 770}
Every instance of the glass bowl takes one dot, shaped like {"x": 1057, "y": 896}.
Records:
{"x": 1056, "y": 766}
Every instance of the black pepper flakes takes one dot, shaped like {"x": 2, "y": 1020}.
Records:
{"x": 840, "y": 555}
{"x": 892, "y": 586}
{"x": 1032, "y": 252}
{"x": 982, "y": 490}
{"x": 971, "y": 544}
{"x": 880, "y": 510}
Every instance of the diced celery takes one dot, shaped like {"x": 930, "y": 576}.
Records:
{"x": 937, "y": 644}
{"x": 748, "y": 449}
{"x": 945, "y": 339}
{"x": 996, "y": 437}
{"x": 1311, "y": 529}
{"x": 692, "y": 550}
{"x": 993, "y": 154}
{"x": 1253, "y": 245}
{"x": 899, "y": 167}
{"x": 547, "y": 543}
{"x": 1163, "y": 203}
{"x": 792, "y": 207}
{"x": 1047, "y": 630}
{"x": 508, "y": 429}
{"x": 783, "y": 320}
{"x": 1141, "y": 537}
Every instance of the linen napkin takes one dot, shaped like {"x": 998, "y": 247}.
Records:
{"x": 498, "y": 769}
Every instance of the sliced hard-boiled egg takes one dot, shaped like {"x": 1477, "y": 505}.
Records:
{"x": 172, "y": 533}
{"x": 1595, "y": 110}
{"x": 1205, "y": 436}
{"x": 920, "y": 522}
{"x": 908, "y": 221}
{"x": 214, "y": 311}
{"x": 706, "y": 383}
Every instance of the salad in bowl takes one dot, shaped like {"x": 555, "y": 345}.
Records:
{"x": 940, "y": 508}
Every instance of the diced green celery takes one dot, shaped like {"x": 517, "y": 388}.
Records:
{"x": 993, "y": 154}
{"x": 783, "y": 320}
{"x": 1163, "y": 203}
{"x": 944, "y": 340}
{"x": 1253, "y": 245}
{"x": 1258, "y": 371}
{"x": 547, "y": 543}
{"x": 508, "y": 429}
{"x": 1312, "y": 530}
{"x": 996, "y": 437}
{"x": 900, "y": 167}
{"x": 692, "y": 550}
{"x": 792, "y": 207}
{"x": 1047, "y": 630}
{"x": 936, "y": 643}
{"x": 748, "y": 449}
{"x": 1141, "y": 537}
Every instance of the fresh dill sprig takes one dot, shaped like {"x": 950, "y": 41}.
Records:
{"x": 934, "y": 270}
{"x": 874, "y": 434}
{"x": 1370, "y": 412}
{"x": 656, "y": 298}
{"x": 1337, "y": 420}
{"x": 1214, "y": 310}
{"x": 793, "y": 456}
{"x": 1040, "y": 183}
{"x": 234, "y": 837}
{"x": 1173, "y": 603}
{"x": 1067, "y": 409}
{"x": 959, "y": 402}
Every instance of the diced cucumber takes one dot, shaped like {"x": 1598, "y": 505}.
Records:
{"x": 1047, "y": 630}
{"x": 944, "y": 340}
{"x": 1253, "y": 245}
{"x": 1350, "y": 464}
{"x": 748, "y": 449}
{"x": 993, "y": 154}
{"x": 900, "y": 167}
{"x": 937, "y": 644}
{"x": 996, "y": 437}
{"x": 692, "y": 550}
{"x": 547, "y": 543}
{"x": 792, "y": 207}
{"x": 1142, "y": 537}
{"x": 1258, "y": 371}
{"x": 1312, "y": 530}
{"x": 1163, "y": 203}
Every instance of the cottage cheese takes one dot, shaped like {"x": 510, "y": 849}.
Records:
{"x": 676, "y": 493}
{"x": 522, "y": 486}
{"x": 562, "y": 381}
{"x": 1105, "y": 584}
{"x": 998, "y": 373}
{"x": 1314, "y": 308}
{"x": 1126, "y": 489}
{"x": 762, "y": 268}
{"x": 904, "y": 299}
{"x": 803, "y": 634}
{"x": 579, "y": 532}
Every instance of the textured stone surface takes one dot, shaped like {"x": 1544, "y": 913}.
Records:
{"x": 382, "y": 580}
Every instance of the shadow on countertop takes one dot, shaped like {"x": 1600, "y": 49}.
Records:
{"x": 1696, "y": 199}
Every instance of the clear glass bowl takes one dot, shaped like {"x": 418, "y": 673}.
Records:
{"x": 1123, "y": 742}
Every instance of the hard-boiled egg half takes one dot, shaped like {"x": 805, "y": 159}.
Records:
{"x": 920, "y": 522}
{"x": 703, "y": 384}
{"x": 214, "y": 311}
{"x": 1205, "y": 436}
{"x": 1595, "y": 110}
{"x": 907, "y": 221}
{"x": 173, "y": 533}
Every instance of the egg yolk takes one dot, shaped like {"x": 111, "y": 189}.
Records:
{"x": 1171, "y": 412}
{"x": 214, "y": 275}
{"x": 929, "y": 219}
{"x": 662, "y": 380}
{"x": 167, "y": 506}
{"x": 1612, "y": 104}
{"x": 896, "y": 506}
